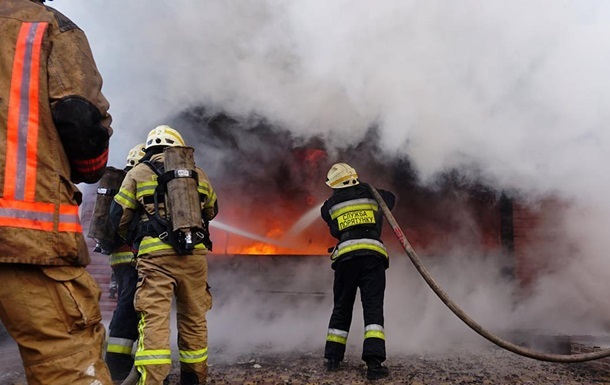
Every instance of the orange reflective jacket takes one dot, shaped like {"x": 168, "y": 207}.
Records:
{"x": 45, "y": 58}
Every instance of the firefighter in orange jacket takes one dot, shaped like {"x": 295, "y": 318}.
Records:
{"x": 54, "y": 132}
{"x": 359, "y": 260}
{"x": 162, "y": 271}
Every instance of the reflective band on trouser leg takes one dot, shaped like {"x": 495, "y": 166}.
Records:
{"x": 153, "y": 357}
{"x": 359, "y": 244}
{"x": 119, "y": 345}
{"x": 193, "y": 356}
{"x": 336, "y": 335}
{"x": 374, "y": 331}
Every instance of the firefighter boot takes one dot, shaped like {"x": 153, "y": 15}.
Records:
{"x": 375, "y": 371}
{"x": 332, "y": 365}
{"x": 119, "y": 364}
{"x": 189, "y": 378}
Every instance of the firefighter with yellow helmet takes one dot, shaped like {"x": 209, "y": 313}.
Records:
{"x": 359, "y": 260}
{"x": 171, "y": 258}
{"x": 123, "y": 328}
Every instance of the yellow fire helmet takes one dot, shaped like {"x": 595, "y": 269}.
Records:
{"x": 341, "y": 175}
{"x": 164, "y": 136}
{"x": 135, "y": 154}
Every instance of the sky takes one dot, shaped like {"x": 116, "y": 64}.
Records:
{"x": 516, "y": 90}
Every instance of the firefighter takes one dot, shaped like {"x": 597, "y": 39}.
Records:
{"x": 54, "y": 132}
{"x": 165, "y": 269}
{"x": 359, "y": 261}
{"x": 124, "y": 324}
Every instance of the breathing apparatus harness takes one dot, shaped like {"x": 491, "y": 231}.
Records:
{"x": 161, "y": 226}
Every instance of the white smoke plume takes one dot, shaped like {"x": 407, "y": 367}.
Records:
{"x": 515, "y": 90}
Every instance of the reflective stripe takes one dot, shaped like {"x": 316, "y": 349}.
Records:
{"x": 211, "y": 200}
{"x": 203, "y": 188}
{"x": 145, "y": 188}
{"x": 23, "y": 115}
{"x": 126, "y": 199}
{"x": 69, "y": 220}
{"x": 119, "y": 345}
{"x": 351, "y": 205}
{"x": 340, "y": 180}
{"x": 374, "y": 331}
{"x": 121, "y": 257}
{"x": 336, "y": 335}
{"x": 38, "y": 216}
{"x": 359, "y": 244}
{"x": 151, "y": 244}
{"x": 153, "y": 357}
{"x": 193, "y": 356}
{"x": 149, "y": 357}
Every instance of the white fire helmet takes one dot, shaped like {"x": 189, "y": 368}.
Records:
{"x": 135, "y": 154}
{"x": 164, "y": 136}
{"x": 341, "y": 175}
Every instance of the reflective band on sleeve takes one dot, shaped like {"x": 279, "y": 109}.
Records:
{"x": 211, "y": 200}
{"x": 126, "y": 199}
{"x": 145, "y": 188}
{"x": 121, "y": 257}
{"x": 119, "y": 345}
{"x": 203, "y": 188}
{"x": 153, "y": 357}
{"x": 374, "y": 331}
{"x": 359, "y": 244}
{"x": 193, "y": 356}
{"x": 336, "y": 335}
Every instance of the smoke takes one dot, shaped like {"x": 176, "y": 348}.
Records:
{"x": 511, "y": 95}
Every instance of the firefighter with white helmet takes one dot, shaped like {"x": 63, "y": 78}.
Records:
{"x": 170, "y": 262}
{"x": 123, "y": 328}
{"x": 54, "y": 133}
{"x": 134, "y": 155}
{"x": 359, "y": 260}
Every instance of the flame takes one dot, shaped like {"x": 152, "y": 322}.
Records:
{"x": 259, "y": 248}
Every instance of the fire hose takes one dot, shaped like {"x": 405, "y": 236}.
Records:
{"x": 517, "y": 349}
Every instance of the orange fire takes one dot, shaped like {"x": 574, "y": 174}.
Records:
{"x": 259, "y": 248}
{"x": 281, "y": 229}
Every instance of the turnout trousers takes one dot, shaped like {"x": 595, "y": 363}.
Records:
{"x": 159, "y": 279}
{"x": 123, "y": 327}
{"x": 53, "y": 314}
{"x": 366, "y": 273}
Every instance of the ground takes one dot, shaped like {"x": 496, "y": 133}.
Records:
{"x": 488, "y": 367}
